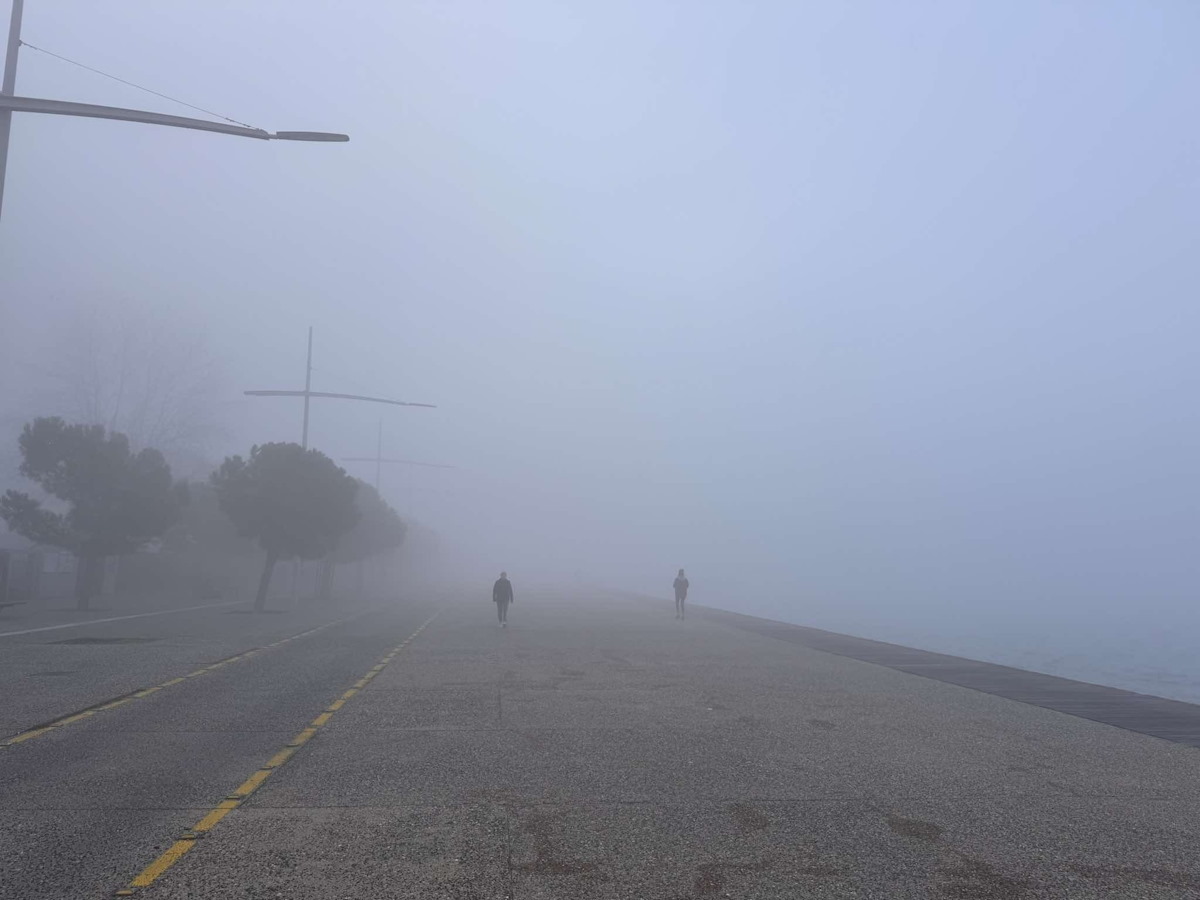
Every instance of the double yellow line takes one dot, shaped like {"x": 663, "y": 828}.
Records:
{"x": 188, "y": 839}
{"x": 80, "y": 716}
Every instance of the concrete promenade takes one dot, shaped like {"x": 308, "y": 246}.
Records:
{"x": 597, "y": 748}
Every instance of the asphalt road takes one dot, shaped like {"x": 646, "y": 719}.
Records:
{"x": 597, "y": 748}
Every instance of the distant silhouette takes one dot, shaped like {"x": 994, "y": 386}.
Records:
{"x": 502, "y": 595}
{"x": 681, "y": 588}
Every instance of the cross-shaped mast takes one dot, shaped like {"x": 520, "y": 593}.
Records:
{"x": 308, "y": 393}
{"x": 379, "y": 459}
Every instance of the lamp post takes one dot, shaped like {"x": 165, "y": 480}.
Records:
{"x": 10, "y": 103}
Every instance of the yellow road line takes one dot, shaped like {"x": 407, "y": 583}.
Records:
{"x": 280, "y": 758}
{"x": 303, "y": 737}
{"x": 27, "y": 735}
{"x": 214, "y": 817}
{"x": 146, "y": 692}
{"x": 164, "y": 862}
{"x": 250, "y": 785}
{"x": 176, "y": 851}
{"x": 75, "y": 718}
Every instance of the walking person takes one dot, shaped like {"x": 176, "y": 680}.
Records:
{"x": 502, "y": 595}
{"x": 681, "y": 589}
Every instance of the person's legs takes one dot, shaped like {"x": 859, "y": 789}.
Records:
{"x": 500, "y": 613}
{"x": 683, "y": 606}
{"x": 503, "y": 612}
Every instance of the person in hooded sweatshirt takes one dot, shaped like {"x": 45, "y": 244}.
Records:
{"x": 502, "y": 595}
{"x": 681, "y": 588}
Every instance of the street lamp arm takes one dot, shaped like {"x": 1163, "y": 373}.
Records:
{"x": 370, "y": 399}
{"x": 335, "y": 397}
{"x": 406, "y": 462}
{"x": 92, "y": 111}
{"x": 120, "y": 114}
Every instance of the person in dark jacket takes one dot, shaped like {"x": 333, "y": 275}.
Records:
{"x": 502, "y": 595}
{"x": 681, "y": 588}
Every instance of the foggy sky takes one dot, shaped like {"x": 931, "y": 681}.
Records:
{"x": 854, "y": 310}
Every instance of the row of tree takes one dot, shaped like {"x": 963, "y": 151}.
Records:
{"x": 110, "y": 501}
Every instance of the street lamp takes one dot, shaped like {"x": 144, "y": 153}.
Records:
{"x": 9, "y": 104}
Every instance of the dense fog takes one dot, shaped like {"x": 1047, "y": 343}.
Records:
{"x": 877, "y": 316}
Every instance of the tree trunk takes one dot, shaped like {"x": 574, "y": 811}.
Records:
{"x": 86, "y": 568}
{"x": 327, "y": 566}
{"x": 260, "y": 602}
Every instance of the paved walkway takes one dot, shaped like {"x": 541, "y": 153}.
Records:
{"x": 597, "y": 748}
{"x": 1171, "y": 720}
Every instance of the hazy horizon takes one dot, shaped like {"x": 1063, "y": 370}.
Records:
{"x": 873, "y": 316}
